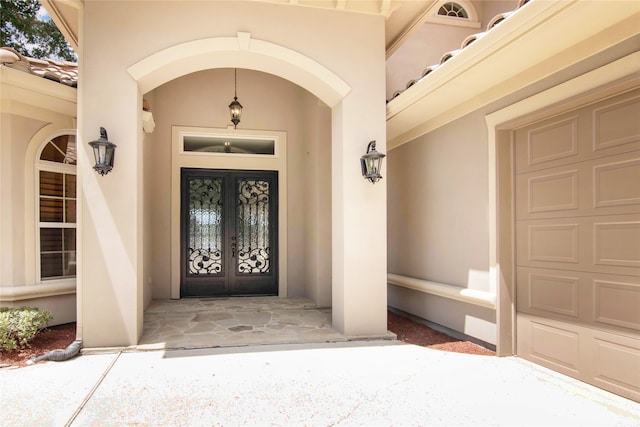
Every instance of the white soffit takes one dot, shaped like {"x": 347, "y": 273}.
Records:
{"x": 509, "y": 58}
{"x": 66, "y": 15}
{"x": 402, "y": 16}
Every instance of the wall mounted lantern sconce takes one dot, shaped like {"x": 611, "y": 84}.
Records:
{"x": 235, "y": 108}
{"x": 104, "y": 152}
{"x": 371, "y": 163}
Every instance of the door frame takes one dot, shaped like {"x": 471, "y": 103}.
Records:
{"x": 181, "y": 159}
{"x": 614, "y": 78}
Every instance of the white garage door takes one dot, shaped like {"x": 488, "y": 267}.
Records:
{"x": 577, "y": 180}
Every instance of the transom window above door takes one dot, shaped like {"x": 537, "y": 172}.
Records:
{"x": 227, "y": 144}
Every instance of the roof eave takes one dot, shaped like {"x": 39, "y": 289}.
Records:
{"x": 32, "y": 96}
{"x": 66, "y": 15}
{"x": 477, "y": 75}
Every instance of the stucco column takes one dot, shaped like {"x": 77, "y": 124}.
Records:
{"x": 110, "y": 231}
{"x": 359, "y": 221}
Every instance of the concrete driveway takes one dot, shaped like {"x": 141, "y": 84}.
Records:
{"x": 354, "y": 383}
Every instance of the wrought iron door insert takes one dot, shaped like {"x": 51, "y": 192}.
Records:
{"x": 228, "y": 233}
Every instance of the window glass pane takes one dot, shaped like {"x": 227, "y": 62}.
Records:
{"x": 252, "y": 227}
{"x": 52, "y": 153}
{"x": 50, "y": 239}
{"x": 70, "y": 263}
{"x": 206, "y": 228}
{"x": 70, "y": 211}
{"x": 50, "y": 210}
{"x": 69, "y": 149}
{"x": 70, "y": 186}
{"x": 215, "y": 144}
{"x": 51, "y": 265}
{"x": 69, "y": 239}
{"x": 61, "y": 149}
{"x": 51, "y": 183}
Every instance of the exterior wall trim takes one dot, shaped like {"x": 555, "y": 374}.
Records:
{"x": 470, "y": 296}
{"x": 571, "y": 94}
{"x": 239, "y": 52}
{"x": 41, "y": 290}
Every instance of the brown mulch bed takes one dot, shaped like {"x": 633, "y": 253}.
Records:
{"x": 52, "y": 338}
{"x": 416, "y": 333}
{"x": 59, "y": 337}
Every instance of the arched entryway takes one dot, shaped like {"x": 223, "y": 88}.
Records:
{"x": 351, "y": 266}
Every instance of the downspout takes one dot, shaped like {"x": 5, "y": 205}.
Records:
{"x": 72, "y": 350}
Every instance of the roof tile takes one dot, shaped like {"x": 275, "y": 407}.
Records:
{"x": 58, "y": 71}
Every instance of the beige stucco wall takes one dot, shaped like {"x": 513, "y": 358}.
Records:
{"x": 438, "y": 223}
{"x": 317, "y": 201}
{"x": 270, "y": 104}
{"x": 15, "y": 134}
{"x": 117, "y": 35}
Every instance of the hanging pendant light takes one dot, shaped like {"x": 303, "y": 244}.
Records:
{"x": 235, "y": 108}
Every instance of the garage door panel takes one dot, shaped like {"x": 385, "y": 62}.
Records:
{"x": 602, "y": 358}
{"x": 603, "y": 129}
{"x": 616, "y": 123}
{"x": 549, "y": 345}
{"x": 547, "y": 142}
{"x": 606, "y": 301}
{"x": 617, "y": 303}
{"x": 553, "y": 192}
{"x": 603, "y": 186}
{"x": 617, "y": 243}
{"x": 617, "y": 364}
{"x": 557, "y": 243}
{"x": 548, "y": 292}
{"x": 617, "y": 183}
{"x": 606, "y": 244}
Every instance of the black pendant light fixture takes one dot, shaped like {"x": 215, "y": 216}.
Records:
{"x": 235, "y": 108}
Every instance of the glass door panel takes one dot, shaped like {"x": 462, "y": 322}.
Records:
{"x": 228, "y": 233}
{"x": 252, "y": 227}
{"x": 205, "y": 227}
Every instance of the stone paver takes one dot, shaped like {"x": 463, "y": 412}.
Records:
{"x": 198, "y": 323}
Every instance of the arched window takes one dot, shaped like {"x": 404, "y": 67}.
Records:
{"x": 459, "y": 13}
{"x": 56, "y": 208}
{"x": 454, "y": 10}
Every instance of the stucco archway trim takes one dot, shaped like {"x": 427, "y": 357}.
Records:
{"x": 239, "y": 52}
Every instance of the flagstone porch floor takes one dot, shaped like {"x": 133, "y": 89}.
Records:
{"x": 238, "y": 321}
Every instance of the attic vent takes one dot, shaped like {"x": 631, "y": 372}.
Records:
{"x": 454, "y": 10}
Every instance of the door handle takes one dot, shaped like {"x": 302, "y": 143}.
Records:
{"x": 233, "y": 246}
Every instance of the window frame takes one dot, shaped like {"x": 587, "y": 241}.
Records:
{"x": 55, "y": 167}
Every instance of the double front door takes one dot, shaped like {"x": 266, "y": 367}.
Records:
{"x": 228, "y": 233}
